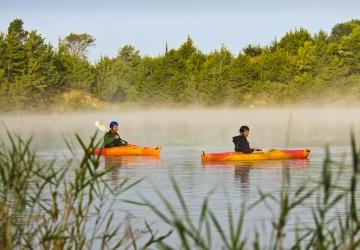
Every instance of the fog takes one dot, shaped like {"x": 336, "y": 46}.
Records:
{"x": 210, "y": 128}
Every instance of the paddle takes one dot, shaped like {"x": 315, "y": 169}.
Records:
{"x": 103, "y": 128}
{"x": 100, "y": 126}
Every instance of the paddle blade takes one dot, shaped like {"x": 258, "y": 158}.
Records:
{"x": 101, "y": 126}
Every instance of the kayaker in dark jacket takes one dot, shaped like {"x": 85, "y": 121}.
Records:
{"x": 241, "y": 143}
{"x": 112, "y": 138}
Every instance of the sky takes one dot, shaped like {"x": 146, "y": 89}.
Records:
{"x": 149, "y": 25}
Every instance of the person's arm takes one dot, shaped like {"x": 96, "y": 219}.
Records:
{"x": 108, "y": 140}
{"x": 123, "y": 142}
{"x": 244, "y": 146}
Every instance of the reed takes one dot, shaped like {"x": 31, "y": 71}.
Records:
{"x": 44, "y": 206}
{"x": 333, "y": 205}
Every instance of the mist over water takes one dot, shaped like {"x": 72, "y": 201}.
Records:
{"x": 208, "y": 128}
{"x": 183, "y": 134}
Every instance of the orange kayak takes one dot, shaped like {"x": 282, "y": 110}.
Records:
{"x": 128, "y": 151}
{"x": 276, "y": 154}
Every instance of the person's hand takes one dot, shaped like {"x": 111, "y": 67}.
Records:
{"x": 117, "y": 137}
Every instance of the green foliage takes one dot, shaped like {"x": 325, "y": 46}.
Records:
{"x": 33, "y": 74}
{"x": 344, "y": 29}
{"x": 293, "y": 40}
{"x": 350, "y": 50}
{"x": 243, "y": 74}
{"x": 305, "y": 62}
{"x": 130, "y": 55}
{"x": 2, "y": 52}
{"x": 14, "y": 53}
{"x": 77, "y": 73}
{"x": 113, "y": 77}
{"x": 77, "y": 44}
{"x": 253, "y": 50}
{"x": 41, "y": 78}
{"x": 43, "y": 207}
{"x": 215, "y": 77}
{"x": 277, "y": 66}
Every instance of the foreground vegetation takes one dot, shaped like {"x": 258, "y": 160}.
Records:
{"x": 48, "y": 207}
{"x": 298, "y": 68}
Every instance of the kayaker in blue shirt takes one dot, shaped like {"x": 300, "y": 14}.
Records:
{"x": 241, "y": 143}
{"x": 112, "y": 138}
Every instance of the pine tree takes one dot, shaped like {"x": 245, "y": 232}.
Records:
{"x": 14, "y": 52}
{"x": 350, "y": 50}
{"x": 293, "y": 40}
{"x": 40, "y": 78}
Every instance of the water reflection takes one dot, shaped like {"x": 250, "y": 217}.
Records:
{"x": 243, "y": 169}
{"x": 114, "y": 164}
{"x": 242, "y": 173}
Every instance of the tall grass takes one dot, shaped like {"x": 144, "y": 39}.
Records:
{"x": 47, "y": 207}
{"x": 334, "y": 207}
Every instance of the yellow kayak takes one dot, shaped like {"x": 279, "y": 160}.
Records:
{"x": 128, "y": 151}
{"x": 276, "y": 154}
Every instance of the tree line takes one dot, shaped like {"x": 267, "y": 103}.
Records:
{"x": 298, "y": 68}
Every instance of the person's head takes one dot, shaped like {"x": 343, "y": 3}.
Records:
{"x": 114, "y": 126}
{"x": 244, "y": 130}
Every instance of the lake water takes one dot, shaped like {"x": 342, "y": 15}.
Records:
{"x": 183, "y": 135}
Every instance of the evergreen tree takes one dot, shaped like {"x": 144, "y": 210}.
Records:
{"x": 14, "y": 52}
{"x": 305, "y": 62}
{"x": 3, "y": 78}
{"x": 253, "y": 50}
{"x": 2, "y": 58}
{"x": 293, "y": 40}
{"x": 216, "y": 87}
{"x": 40, "y": 79}
{"x": 33, "y": 73}
{"x": 350, "y": 50}
{"x": 344, "y": 29}
{"x": 129, "y": 54}
{"x": 242, "y": 75}
{"x": 277, "y": 66}
{"x": 113, "y": 79}
{"x": 76, "y": 71}
{"x": 187, "y": 48}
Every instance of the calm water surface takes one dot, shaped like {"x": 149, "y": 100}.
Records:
{"x": 183, "y": 134}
